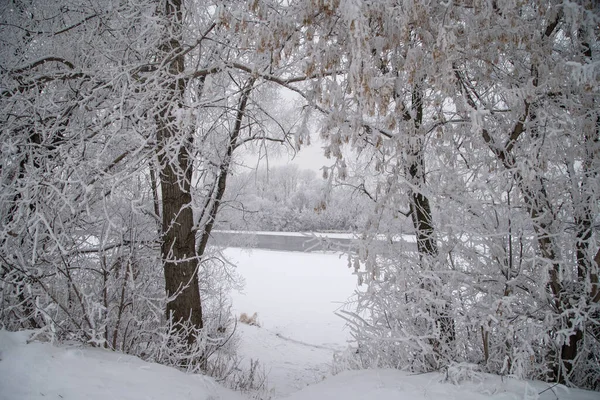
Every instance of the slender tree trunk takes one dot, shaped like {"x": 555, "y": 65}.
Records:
{"x": 212, "y": 208}
{"x": 178, "y": 250}
{"x": 423, "y": 223}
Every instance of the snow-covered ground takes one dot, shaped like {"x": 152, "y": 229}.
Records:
{"x": 32, "y": 371}
{"x": 40, "y": 371}
{"x": 295, "y": 296}
{"x": 397, "y": 385}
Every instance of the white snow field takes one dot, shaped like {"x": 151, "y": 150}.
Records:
{"x": 295, "y": 295}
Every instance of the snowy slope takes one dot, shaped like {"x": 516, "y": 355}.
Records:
{"x": 42, "y": 371}
{"x": 397, "y": 385}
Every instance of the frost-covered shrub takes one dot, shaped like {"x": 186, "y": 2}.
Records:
{"x": 457, "y": 373}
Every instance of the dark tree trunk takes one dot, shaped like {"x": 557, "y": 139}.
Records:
{"x": 178, "y": 250}
{"x": 178, "y": 247}
{"x": 427, "y": 248}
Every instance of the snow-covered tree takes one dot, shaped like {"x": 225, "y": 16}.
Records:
{"x": 476, "y": 125}
{"x": 480, "y": 118}
{"x": 531, "y": 107}
{"x": 119, "y": 122}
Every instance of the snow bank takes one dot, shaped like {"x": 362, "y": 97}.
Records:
{"x": 42, "y": 371}
{"x": 397, "y": 385}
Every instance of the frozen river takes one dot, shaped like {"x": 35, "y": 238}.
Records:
{"x": 296, "y": 241}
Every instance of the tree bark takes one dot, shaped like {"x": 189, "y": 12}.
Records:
{"x": 178, "y": 251}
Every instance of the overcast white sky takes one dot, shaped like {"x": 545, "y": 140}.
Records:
{"x": 309, "y": 157}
